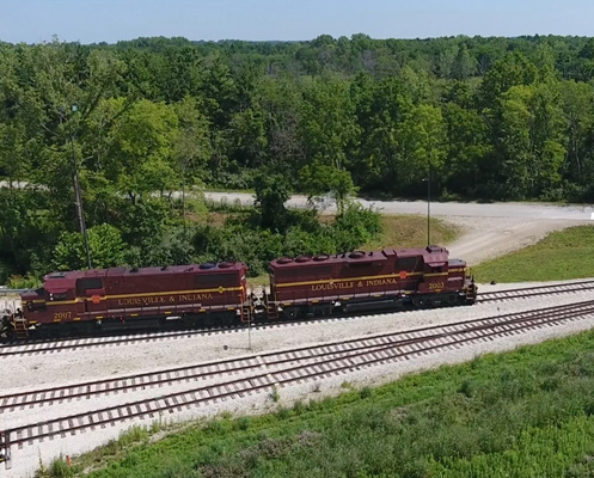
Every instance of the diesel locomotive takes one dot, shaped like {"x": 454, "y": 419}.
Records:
{"x": 83, "y": 302}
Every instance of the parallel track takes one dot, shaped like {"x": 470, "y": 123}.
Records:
{"x": 520, "y": 293}
{"x": 268, "y": 371}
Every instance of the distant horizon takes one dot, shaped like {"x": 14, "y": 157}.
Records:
{"x": 349, "y": 37}
{"x": 112, "y": 21}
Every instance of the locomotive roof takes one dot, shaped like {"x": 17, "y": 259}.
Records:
{"x": 67, "y": 279}
{"x": 433, "y": 255}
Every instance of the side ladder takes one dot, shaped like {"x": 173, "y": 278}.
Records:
{"x": 271, "y": 310}
{"x": 20, "y": 328}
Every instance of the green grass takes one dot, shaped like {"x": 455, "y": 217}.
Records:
{"x": 567, "y": 254}
{"x": 411, "y": 231}
{"x": 527, "y": 413}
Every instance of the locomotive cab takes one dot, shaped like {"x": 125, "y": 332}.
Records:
{"x": 435, "y": 270}
{"x": 34, "y": 299}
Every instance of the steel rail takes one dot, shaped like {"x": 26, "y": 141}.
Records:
{"x": 524, "y": 292}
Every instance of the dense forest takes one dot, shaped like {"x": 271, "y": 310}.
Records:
{"x": 487, "y": 118}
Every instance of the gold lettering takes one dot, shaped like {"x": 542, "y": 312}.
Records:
{"x": 379, "y": 282}
{"x": 194, "y": 297}
{"x": 161, "y": 300}
{"x": 333, "y": 286}
{"x": 62, "y": 315}
{"x": 352, "y": 284}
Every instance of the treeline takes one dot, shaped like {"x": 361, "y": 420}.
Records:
{"x": 487, "y": 118}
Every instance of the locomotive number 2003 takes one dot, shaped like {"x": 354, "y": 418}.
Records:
{"x": 436, "y": 285}
{"x": 62, "y": 315}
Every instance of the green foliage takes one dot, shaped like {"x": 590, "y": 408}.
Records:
{"x": 355, "y": 226}
{"x": 318, "y": 179}
{"x": 58, "y": 468}
{"x": 304, "y": 235}
{"x": 4, "y": 273}
{"x": 28, "y": 281}
{"x": 488, "y": 118}
{"x": 106, "y": 247}
{"x": 141, "y": 142}
{"x": 272, "y": 191}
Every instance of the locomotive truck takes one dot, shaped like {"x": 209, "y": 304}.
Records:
{"x": 83, "y": 302}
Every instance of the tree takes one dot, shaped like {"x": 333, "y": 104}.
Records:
{"x": 577, "y": 100}
{"x": 420, "y": 146}
{"x": 464, "y": 65}
{"x": 141, "y": 140}
{"x": 272, "y": 191}
{"x": 531, "y": 150}
{"x": 281, "y": 111}
{"x": 192, "y": 147}
{"x": 513, "y": 70}
{"x": 105, "y": 243}
{"x": 318, "y": 179}
{"x": 328, "y": 123}
{"x": 467, "y": 146}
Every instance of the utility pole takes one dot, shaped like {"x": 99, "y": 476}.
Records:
{"x": 429, "y": 206}
{"x": 428, "y": 180}
{"x": 250, "y": 311}
{"x": 78, "y": 198}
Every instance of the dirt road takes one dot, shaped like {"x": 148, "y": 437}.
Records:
{"x": 490, "y": 230}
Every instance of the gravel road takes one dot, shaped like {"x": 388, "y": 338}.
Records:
{"x": 489, "y": 230}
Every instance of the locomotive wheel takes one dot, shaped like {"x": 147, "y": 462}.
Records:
{"x": 291, "y": 313}
{"x": 420, "y": 301}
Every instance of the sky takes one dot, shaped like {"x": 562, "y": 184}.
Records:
{"x": 93, "y": 21}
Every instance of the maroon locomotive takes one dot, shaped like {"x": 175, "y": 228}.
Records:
{"x": 363, "y": 281}
{"x": 104, "y": 299}
{"x": 121, "y": 298}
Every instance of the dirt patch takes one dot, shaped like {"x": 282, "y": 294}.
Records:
{"x": 485, "y": 238}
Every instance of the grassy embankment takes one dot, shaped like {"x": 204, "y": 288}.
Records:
{"x": 525, "y": 413}
{"x": 567, "y": 254}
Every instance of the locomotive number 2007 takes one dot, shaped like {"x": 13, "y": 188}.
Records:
{"x": 436, "y": 285}
{"x": 62, "y": 315}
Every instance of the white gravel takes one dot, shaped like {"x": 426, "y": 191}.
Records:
{"x": 111, "y": 361}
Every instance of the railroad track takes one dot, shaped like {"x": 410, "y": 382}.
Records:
{"x": 266, "y": 371}
{"x": 520, "y": 293}
{"x": 33, "y": 347}
{"x": 48, "y": 346}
